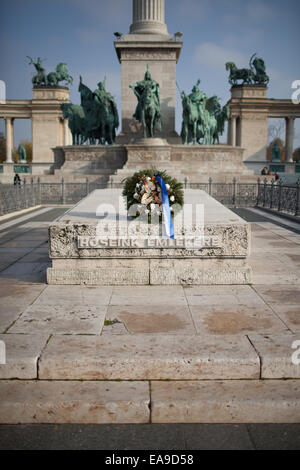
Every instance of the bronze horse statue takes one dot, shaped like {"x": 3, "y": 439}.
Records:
{"x": 150, "y": 113}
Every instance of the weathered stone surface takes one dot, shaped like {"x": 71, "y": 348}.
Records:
{"x": 148, "y": 357}
{"x": 195, "y": 162}
{"x": 230, "y": 401}
{"x": 73, "y": 402}
{"x": 14, "y": 299}
{"x": 154, "y": 295}
{"x": 199, "y": 271}
{"x": 290, "y": 315}
{"x": 22, "y": 353}
{"x": 72, "y": 296}
{"x": 60, "y": 319}
{"x": 221, "y": 260}
{"x": 89, "y": 159}
{"x": 276, "y": 355}
{"x": 154, "y": 318}
{"x": 231, "y": 310}
{"x": 108, "y": 277}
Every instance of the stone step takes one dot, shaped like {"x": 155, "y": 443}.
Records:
{"x": 21, "y": 355}
{"x": 230, "y": 401}
{"x": 38, "y": 401}
{"x": 148, "y": 357}
{"x": 104, "y": 402}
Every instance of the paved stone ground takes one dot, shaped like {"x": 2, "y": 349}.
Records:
{"x": 257, "y": 323}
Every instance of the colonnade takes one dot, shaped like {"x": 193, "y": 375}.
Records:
{"x": 9, "y": 135}
{"x": 233, "y": 134}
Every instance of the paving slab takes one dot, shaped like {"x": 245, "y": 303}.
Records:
{"x": 290, "y": 315}
{"x": 36, "y": 257}
{"x": 171, "y": 319}
{"x": 73, "y": 402}
{"x": 75, "y": 295}
{"x": 148, "y": 357}
{"x": 276, "y": 353}
{"x": 223, "y": 296}
{"x": 22, "y": 353}
{"x": 25, "y": 273}
{"x": 275, "y": 272}
{"x": 60, "y": 319}
{"x": 140, "y": 295}
{"x": 230, "y": 401}
{"x": 20, "y": 243}
{"x": 280, "y": 294}
{"x": 235, "y": 319}
{"x": 15, "y": 298}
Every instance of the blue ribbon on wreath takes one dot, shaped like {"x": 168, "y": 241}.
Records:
{"x": 166, "y": 207}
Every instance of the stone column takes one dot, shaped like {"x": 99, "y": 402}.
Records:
{"x": 289, "y": 138}
{"x": 66, "y": 132}
{"x": 148, "y": 17}
{"x": 9, "y": 139}
{"x": 233, "y": 131}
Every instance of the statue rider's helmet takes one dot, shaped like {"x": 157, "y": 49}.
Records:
{"x": 148, "y": 75}
{"x": 101, "y": 86}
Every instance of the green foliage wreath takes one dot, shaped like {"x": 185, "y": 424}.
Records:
{"x": 143, "y": 191}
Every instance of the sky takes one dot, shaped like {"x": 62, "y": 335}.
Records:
{"x": 80, "y": 33}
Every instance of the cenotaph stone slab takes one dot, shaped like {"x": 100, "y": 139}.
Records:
{"x": 98, "y": 243}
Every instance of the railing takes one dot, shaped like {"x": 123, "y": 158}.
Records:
{"x": 274, "y": 195}
{"x": 279, "y": 197}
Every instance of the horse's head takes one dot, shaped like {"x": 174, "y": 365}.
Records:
{"x": 66, "y": 109}
{"x": 147, "y": 96}
{"x": 230, "y": 66}
{"x": 213, "y": 105}
{"x": 62, "y": 68}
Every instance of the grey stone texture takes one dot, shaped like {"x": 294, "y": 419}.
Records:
{"x": 220, "y": 262}
{"x": 227, "y": 401}
{"x": 73, "y": 402}
{"x": 148, "y": 357}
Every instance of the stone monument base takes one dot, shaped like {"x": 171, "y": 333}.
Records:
{"x": 192, "y": 163}
{"x": 93, "y": 244}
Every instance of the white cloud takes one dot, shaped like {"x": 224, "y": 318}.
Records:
{"x": 212, "y": 55}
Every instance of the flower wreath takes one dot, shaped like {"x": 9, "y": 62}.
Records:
{"x": 143, "y": 191}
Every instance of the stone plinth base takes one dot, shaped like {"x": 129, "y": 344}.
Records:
{"x": 89, "y": 159}
{"x": 96, "y": 243}
{"x": 196, "y": 163}
{"x": 154, "y": 272}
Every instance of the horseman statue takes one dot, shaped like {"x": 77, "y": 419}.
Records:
{"x": 148, "y": 108}
{"x": 101, "y": 114}
{"x": 203, "y": 118}
{"x": 53, "y": 78}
